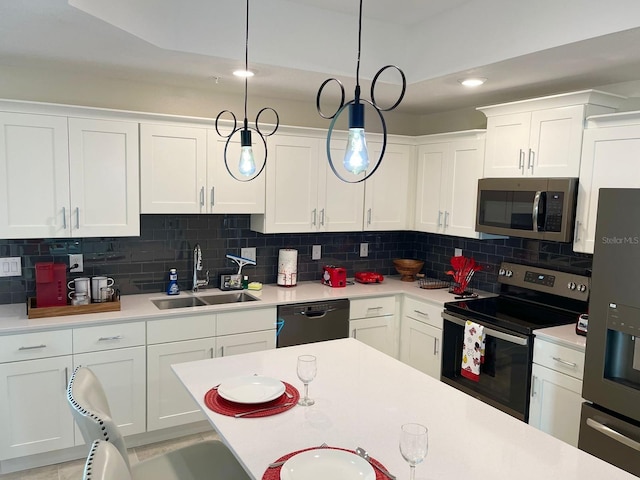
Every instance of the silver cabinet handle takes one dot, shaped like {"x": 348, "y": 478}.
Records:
{"x": 42, "y": 345}
{"x": 421, "y": 313}
{"x": 322, "y": 217}
{"x": 202, "y": 196}
{"x": 77, "y": 218}
{"x": 533, "y": 386}
{"x": 577, "y": 237}
{"x": 435, "y": 347}
{"x": 221, "y": 351}
{"x": 611, "y": 433}
{"x": 446, "y": 218}
{"x": 532, "y": 155}
{"x": 66, "y": 377}
{"x": 439, "y": 218}
{"x": 521, "y": 160}
{"x": 313, "y": 215}
{"x": 369, "y": 217}
{"x": 64, "y": 218}
{"x": 106, "y": 339}
{"x": 211, "y": 352}
{"x": 564, "y": 362}
{"x": 212, "y": 196}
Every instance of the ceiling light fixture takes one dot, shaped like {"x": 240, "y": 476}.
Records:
{"x": 247, "y": 165}
{"x": 356, "y": 159}
{"x": 472, "y": 82}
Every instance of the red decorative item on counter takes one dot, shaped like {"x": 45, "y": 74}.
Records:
{"x": 334, "y": 276}
{"x": 368, "y": 277}
{"x": 463, "y": 270}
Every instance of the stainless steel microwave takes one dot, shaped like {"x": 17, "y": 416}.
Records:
{"x": 540, "y": 208}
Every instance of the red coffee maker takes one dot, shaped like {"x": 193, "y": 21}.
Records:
{"x": 51, "y": 284}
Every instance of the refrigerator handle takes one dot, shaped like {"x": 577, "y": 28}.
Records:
{"x": 611, "y": 433}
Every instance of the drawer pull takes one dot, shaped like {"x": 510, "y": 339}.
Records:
{"x": 533, "y": 387}
{"x": 564, "y": 362}
{"x": 106, "y": 339}
{"x": 435, "y": 347}
{"x": 421, "y": 313}
{"x": 33, "y": 347}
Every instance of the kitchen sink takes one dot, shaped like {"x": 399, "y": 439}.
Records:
{"x": 184, "y": 302}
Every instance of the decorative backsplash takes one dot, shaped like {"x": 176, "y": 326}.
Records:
{"x": 141, "y": 264}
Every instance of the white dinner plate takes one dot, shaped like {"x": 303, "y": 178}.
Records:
{"x": 325, "y": 463}
{"x": 253, "y": 389}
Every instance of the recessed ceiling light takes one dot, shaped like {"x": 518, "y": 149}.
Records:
{"x": 472, "y": 82}
{"x": 243, "y": 73}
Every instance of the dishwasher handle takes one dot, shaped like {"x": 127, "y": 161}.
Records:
{"x": 316, "y": 313}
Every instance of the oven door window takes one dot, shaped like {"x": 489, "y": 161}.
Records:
{"x": 507, "y": 209}
{"x": 504, "y": 376}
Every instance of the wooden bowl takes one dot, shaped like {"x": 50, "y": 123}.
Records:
{"x": 408, "y": 268}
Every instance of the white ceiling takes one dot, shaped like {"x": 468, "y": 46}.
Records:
{"x": 525, "y": 49}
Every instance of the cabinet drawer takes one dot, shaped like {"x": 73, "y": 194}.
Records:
{"x": 108, "y": 337}
{"x": 181, "y": 328}
{"x": 372, "y": 307}
{"x": 559, "y": 358}
{"x": 28, "y": 346}
{"x": 423, "y": 312}
{"x": 230, "y": 323}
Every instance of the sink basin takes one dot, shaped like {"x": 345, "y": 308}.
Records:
{"x": 227, "y": 298}
{"x": 180, "y": 302}
{"x": 184, "y": 302}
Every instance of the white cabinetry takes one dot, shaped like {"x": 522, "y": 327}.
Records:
{"x": 374, "y": 321}
{"x": 34, "y": 413}
{"x": 303, "y": 194}
{"x": 609, "y": 160}
{"x": 68, "y": 177}
{"x": 421, "y": 336}
{"x": 556, "y": 387}
{"x": 541, "y": 137}
{"x": 246, "y": 331}
{"x": 116, "y": 354}
{"x": 449, "y": 166}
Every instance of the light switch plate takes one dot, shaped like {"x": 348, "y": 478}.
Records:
{"x": 364, "y": 249}
{"x": 76, "y": 258}
{"x": 458, "y": 252}
{"x": 10, "y": 267}
{"x": 248, "y": 252}
{"x": 316, "y": 252}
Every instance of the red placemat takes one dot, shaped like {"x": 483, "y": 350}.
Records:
{"x": 274, "y": 473}
{"x": 219, "y": 405}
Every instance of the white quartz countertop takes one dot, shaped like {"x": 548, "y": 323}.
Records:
{"x": 13, "y": 317}
{"x": 363, "y": 396}
{"x": 563, "y": 335}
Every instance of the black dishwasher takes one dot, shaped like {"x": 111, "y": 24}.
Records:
{"x": 310, "y": 322}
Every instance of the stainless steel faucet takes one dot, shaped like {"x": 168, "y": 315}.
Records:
{"x": 197, "y": 267}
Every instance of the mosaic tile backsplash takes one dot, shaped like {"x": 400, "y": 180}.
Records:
{"x": 141, "y": 264}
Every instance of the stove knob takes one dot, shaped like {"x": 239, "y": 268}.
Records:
{"x": 509, "y": 273}
{"x": 582, "y": 287}
{"x": 571, "y": 286}
{"x": 501, "y": 272}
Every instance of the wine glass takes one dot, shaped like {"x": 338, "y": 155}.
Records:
{"x": 306, "y": 372}
{"x": 414, "y": 444}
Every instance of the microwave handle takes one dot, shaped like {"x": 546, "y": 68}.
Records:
{"x": 538, "y": 205}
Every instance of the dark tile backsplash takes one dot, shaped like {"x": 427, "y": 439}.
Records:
{"x": 141, "y": 264}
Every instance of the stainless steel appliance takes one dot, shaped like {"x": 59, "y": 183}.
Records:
{"x": 530, "y": 298}
{"x": 540, "y": 208}
{"x": 300, "y": 323}
{"x": 610, "y": 424}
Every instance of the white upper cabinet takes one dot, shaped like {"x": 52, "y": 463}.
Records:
{"x": 541, "y": 137}
{"x": 609, "y": 160}
{"x": 449, "y": 166}
{"x": 68, "y": 177}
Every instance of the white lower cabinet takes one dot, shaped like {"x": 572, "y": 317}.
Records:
{"x": 556, "y": 387}
{"x": 421, "y": 336}
{"x": 245, "y": 343}
{"x": 374, "y": 321}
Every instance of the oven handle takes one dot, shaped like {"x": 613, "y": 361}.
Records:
{"x": 611, "y": 433}
{"x": 489, "y": 331}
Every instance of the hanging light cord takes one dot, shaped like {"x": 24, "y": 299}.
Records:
{"x": 246, "y": 65}
{"x": 357, "y": 93}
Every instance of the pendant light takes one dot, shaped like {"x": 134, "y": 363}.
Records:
{"x": 356, "y": 158}
{"x": 246, "y": 163}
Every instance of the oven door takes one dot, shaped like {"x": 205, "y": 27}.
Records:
{"x": 505, "y": 375}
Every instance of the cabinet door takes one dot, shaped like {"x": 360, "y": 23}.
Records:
{"x": 122, "y": 374}
{"x": 168, "y": 402}
{"x": 292, "y": 185}
{"x": 224, "y": 193}
{"x": 377, "y": 332}
{"x": 34, "y": 412}
{"x": 420, "y": 346}
{"x": 609, "y": 158}
{"x": 507, "y": 145}
{"x": 460, "y": 185}
{"x": 173, "y": 163}
{"x": 555, "y": 404}
{"x": 105, "y": 188}
{"x": 245, "y": 343}
{"x": 34, "y": 184}
{"x": 387, "y": 191}
{"x": 555, "y": 142}
{"x": 429, "y": 191}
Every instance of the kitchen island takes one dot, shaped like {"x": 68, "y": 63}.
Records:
{"x": 362, "y": 397}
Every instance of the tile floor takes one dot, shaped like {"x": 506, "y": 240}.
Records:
{"x": 73, "y": 470}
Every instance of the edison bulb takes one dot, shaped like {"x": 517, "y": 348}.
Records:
{"x": 247, "y": 164}
{"x": 356, "y": 157}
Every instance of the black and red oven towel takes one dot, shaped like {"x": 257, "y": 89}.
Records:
{"x": 215, "y": 402}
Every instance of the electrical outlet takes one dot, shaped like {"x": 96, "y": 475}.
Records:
{"x": 364, "y": 249}
{"x": 458, "y": 252}
{"x": 249, "y": 252}
{"x": 10, "y": 267}
{"x": 76, "y": 258}
{"x": 316, "y": 252}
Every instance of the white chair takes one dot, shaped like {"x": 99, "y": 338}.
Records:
{"x": 209, "y": 460}
{"x": 105, "y": 463}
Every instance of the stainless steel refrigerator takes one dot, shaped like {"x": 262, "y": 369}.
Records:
{"x": 610, "y": 419}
